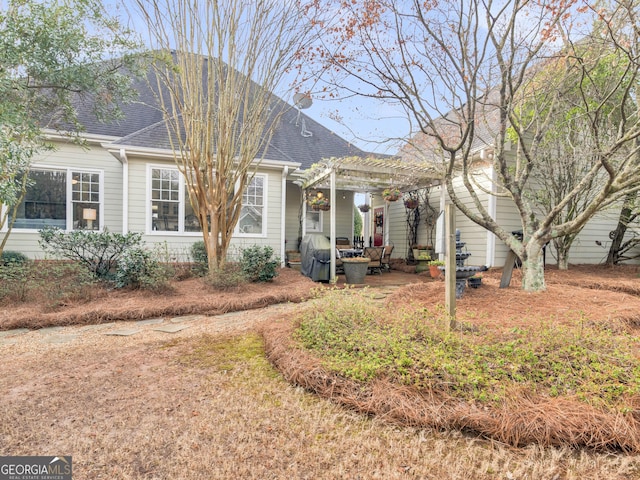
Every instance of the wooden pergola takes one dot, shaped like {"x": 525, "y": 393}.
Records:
{"x": 366, "y": 175}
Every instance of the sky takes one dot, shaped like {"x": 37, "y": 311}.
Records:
{"x": 367, "y": 123}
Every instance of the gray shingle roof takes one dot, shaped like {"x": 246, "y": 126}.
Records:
{"x": 298, "y": 138}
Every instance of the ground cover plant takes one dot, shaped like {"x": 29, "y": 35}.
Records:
{"x": 544, "y": 380}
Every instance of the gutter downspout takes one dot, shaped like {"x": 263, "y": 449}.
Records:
{"x": 283, "y": 216}
{"x": 492, "y": 207}
{"x": 125, "y": 191}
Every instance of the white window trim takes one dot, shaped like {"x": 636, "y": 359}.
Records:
{"x": 69, "y": 195}
{"x": 181, "y": 204}
{"x": 265, "y": 216}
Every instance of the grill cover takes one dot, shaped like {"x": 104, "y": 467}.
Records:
{"x": 315, "y": 257}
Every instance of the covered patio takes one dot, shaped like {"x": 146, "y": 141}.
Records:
{"x": 365, "y": 175}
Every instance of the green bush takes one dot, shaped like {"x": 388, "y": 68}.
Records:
{"x": 98, "y": 251}
{"x": 9, "y": 256}
{"x": 258, "y": 264}
{"x": 137, "y": 269}
{"x": 228, "y": 277}
{"x": 200, "y": 257}
{"x": 53, "y": 282}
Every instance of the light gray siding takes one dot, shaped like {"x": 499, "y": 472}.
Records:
{"x": 68, "y": 155}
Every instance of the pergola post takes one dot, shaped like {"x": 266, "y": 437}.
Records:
{"x": 332, "y": 229}
{"x": 450, "y": 263}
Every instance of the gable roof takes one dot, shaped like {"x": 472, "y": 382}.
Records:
{"x": 297, "y": 138}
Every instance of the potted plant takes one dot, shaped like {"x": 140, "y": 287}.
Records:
{"x": 391, "y": 194}
{"x": 364, "y": 208}
{"x": 434, "y": 271}
{"x": 421, "y": 249}
{"x": 355, "y": 269}
{"x": 411, "y": 203}
{"x": 319, "y": 203}
{"x": 423, "y": 262}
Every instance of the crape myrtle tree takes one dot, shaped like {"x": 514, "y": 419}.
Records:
{"x": 223, "y": 61}
{"x": 465, "y": 73}
{"x": 52, "y": 54}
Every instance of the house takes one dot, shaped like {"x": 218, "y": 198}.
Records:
{"x": 125, "y": 180}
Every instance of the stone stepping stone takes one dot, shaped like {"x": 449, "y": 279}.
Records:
{"x": 125, "y": 332}
{"x": 15, "y": 331}
{"x": 98, "y": 326}
{"x": 151, "y": 321}
{"x": 186, "y": 318}
{"x": 8, "y": 341}
{"x": 59, "y": 338}
{"x": 49, "y": 330}
{"x": 171, "y": 328}
{"x": 379, "y": 296}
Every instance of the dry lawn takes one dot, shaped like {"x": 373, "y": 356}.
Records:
{"x": 205, "y": 404}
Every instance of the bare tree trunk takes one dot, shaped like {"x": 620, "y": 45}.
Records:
{"x": 533, "y": 268}
{"x": 621, "y": 228}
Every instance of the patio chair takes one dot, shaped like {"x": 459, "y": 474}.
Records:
{"x": 386, "y": 257}
{"x": 375, "y": 258}
{"x": 343, "y": 243}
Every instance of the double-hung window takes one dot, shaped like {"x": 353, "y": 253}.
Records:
{"x": 171, "y": 210}
{"x": 69, "y": 199}
{"x": 252, "y": 216}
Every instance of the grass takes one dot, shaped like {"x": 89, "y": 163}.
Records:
{"x": 205, "y": 406}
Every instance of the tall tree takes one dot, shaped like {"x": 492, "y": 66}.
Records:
{"x": 222, "y": 62}
{"x": 464, "y": 70}
{"x": 52, "y": 54}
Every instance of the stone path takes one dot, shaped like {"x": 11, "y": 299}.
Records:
{"x": 168, "y": 325}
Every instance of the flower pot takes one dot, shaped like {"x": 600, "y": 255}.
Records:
{"x": 355, "y": 269}
{"x": 434, "y": 271}
{"x": 391, "y": 198}
{"x": 422, "y": 266}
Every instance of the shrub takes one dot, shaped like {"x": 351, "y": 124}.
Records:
{"x": 230, "y": 276}
{"x": 53, "y": 282}
{"x": 258, "y": 264}
{"x": 98, "y": 251}
{"x": 9, "y": 256}
{"x": 137, "y": 269}
{"x": 200, "y": 257}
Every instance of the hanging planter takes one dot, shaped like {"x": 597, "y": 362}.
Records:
{"x": 411, "y": 203}
{"x": 391, "y": 194}
{"x": 364, "y": 208}
{"x": 319, "y": 202}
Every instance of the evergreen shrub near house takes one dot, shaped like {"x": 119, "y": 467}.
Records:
{"x": 258, "y": 264}
{"x": 200, "y": 257}
{"x": 114, "y": 257}
{"x": 9, "y": 257}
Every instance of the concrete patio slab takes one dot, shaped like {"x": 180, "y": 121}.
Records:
{"x": 186, "y": 318}
{"x": 49, "y": 330}
{"x": 98, "y": 326}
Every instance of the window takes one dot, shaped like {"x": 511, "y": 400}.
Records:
{"x": 171, "y": 210}
{"x": 313, "y": 219}
{"x": 252, "y": 215}
{"x": 62, "y": 198}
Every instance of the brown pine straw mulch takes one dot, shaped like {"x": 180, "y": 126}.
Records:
{"x": 524, "y": 418}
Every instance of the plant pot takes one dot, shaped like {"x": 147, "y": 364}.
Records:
{"x": 355, "y": 270}
{"x": 434, "y": 271}
{"x": 391, "y": 198}
{"x": 422, "y": 266}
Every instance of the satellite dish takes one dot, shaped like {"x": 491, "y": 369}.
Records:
{"x": 302, "y": 100}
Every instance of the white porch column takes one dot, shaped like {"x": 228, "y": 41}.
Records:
{"x": 125, "y": 193}
{"x": 332, "y": 201}
{"x": 283, "y": 216}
